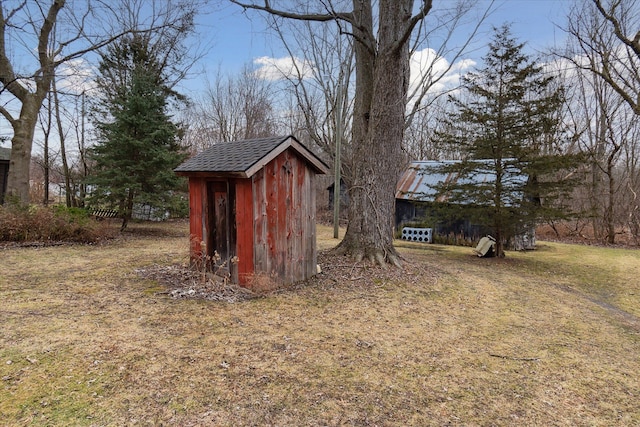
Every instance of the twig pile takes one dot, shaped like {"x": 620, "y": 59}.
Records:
{"x": 184, "y": 282}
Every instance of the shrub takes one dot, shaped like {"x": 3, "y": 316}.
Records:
{"x": 50, "y": 224}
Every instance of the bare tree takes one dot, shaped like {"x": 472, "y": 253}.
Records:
{"x": 382, "y": 33}
{"x": 318, "y": 79}
{"x": 604, "y": 150}
{"x": 38, "y": 26}
{"x": 632, "y": 183}
{"x": 62, "y": 135}
{"x": 607, "y": 43}
{"x": 434, "y": 62}
{"x": 46, "y": 122}
{"x": 419, "y": 141}
{"x": 83, "y": 162}
{"x": 604, "y": 49}
{"x": 233, "y": 108}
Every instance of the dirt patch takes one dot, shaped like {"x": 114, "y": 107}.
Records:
{"x": 343, "y": 271}
{"x": 629, "y": 318}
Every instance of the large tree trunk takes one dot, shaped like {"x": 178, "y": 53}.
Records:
{"x": 378, "y": 128}
{"x": 382, "y": 76}
{"x": 21, "y": 143}
{"x": 24, "y": 126}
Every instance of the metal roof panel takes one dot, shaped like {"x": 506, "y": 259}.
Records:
{"x": 419, "y": 179}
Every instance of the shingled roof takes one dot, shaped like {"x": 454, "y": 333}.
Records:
{"x": 244, "y": 158}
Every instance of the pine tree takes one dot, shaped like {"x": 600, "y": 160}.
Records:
{"x": 138, "y": 143}
{"x": 504, "y": 130}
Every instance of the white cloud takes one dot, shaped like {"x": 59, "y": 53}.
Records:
{"x": 280, "y": 68}
{"x": 76, "y": 76}
{"x": 463, "y": 65}
{"x": 424, "y": 65}
{"x": 427, "y": 69}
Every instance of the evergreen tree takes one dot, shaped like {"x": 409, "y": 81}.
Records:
{"x": 504, "y": 130}
{"x": 138, "y": 143}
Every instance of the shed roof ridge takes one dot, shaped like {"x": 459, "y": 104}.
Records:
{"x": 243, "y": 157}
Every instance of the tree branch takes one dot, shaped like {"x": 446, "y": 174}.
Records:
{"x": 8, "y": 77}
{"x": 597, "y": 49}
{"x": 44, "y": 55}
{"x": 519, "y": 359}
{"x": 617, "y": 29}
{"x": 7, "y": 115}
{"x": 429, "y": 78}
{"x": 320, "y": 17}
{"x": 422, "y": 13}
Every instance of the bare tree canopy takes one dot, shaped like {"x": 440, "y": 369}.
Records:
{"x": 58, "y": 32}
{"x": 231, "y": 108}
{"x": 606, "y": 39}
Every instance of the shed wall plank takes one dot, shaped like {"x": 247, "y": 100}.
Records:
{"x": 283, "y": 209}
{"x": 309, "y": 203}
{"x": 196, "y": 217}
{"x": 297, "y": 221}
{"x": 259, "y": 222}
{"x": 244, "y": 229}
{"x": 271, "y": 178}
{"x": 291, "y": 237}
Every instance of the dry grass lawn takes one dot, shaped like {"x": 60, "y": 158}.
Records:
{"x": 545, "y": 338}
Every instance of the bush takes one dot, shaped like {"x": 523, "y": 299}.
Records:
{"x": 50, "y": 224}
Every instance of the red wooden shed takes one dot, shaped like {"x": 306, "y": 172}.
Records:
{"x": 255, "y": 200}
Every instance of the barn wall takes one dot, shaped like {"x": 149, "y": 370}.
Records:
{"x": 284, "y": 219}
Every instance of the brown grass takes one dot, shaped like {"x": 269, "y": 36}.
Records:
{"x": 549, "y": 337}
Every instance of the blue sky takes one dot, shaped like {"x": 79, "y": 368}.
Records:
{"x": 534, "y": 21}
{"x": 237, "y": 38}
{"x": 234, "y": 39}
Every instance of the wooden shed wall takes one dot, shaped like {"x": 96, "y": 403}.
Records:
{"x": 284, "y": 219}
{"x": 197, "y": 190}
{"x": 244, "y": 228}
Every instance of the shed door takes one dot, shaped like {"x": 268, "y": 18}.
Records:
{"x": 218, "y": 220}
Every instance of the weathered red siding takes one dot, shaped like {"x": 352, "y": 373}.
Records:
{"x": 196, "y": 217}
{"x": 283, "y": 204}
{"x": 244, "y": 229}
{"x": 259, "y": 222}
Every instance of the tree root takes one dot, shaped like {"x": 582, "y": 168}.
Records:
{"x": 377, "y": 257}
